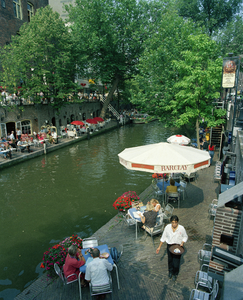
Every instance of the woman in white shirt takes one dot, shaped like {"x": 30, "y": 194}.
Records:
{"x": 173, "y": 234}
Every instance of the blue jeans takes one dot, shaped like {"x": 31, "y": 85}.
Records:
{"x": 211, "y": 153}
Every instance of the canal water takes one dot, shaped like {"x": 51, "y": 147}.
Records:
{"x": 70, "y": 191}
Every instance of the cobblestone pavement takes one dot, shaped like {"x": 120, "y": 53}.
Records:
{"x": 143, "y": 273}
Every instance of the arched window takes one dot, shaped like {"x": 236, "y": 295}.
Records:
{"x": 25, "y": 126}
{"x": 17, "y": 9}
{"x": 3, "y": 4}
{"x": 30, "y": 11}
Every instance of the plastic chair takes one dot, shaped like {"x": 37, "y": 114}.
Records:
{"x": 157, "y": 192}
{"x": 197, "y": 294}
{"x": 182, "y": 188}
{"x": 90, "y": 242}
{"x": 96, "y": 290}
{"x": 168, "y": 211}
{"x": 203, "y": 277}
{"x": 204, "y": 254}
{"x": 65, "y": 280}
{"x": 173, "y": 197}
{"x": 158, "y": 228}
{"x": 213, "y": 208}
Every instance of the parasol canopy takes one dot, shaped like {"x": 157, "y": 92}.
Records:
{"x": 91, "y": 121}
{"x": 77, "y": 123}
{"x": 178, "y": 139}
{"x": 164, "y": 158}
{"x": 98, "y": 119}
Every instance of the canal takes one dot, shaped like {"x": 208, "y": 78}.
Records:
{"x": 70, "y": 191}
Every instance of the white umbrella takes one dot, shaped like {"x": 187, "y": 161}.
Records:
{"x": 178, "y": 139}
{"x": 164, "y": 158}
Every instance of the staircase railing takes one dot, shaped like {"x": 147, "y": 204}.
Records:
{"x": 111, "y": 108}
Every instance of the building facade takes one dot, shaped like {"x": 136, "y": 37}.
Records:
{"x": 13, "y": 13}
{"x": 29, "y": 118}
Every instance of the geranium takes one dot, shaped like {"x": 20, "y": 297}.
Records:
{"x": 72, "y": 240}
{"x": 57, "y": 254}
{"x": 122, "y": 203}
{"x": 159, "y": 175}
{"x": 132, "y": 195}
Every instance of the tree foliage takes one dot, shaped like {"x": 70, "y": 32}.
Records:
{"x": 231, "y": 37}
{"x": 213, "y": 14}
{"x": 41, "y": 58}
{"x": 180, "y": 76}
{"x": 110, "y": 37}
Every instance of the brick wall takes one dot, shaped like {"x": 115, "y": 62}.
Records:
{"x": 227, "y": 221}
{"x": 39, "y": 114}
{"x": 9, "y": 24}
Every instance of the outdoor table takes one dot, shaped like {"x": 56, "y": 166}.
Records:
{"x": 102, "y": 248}
{"x": 131, "y": 212}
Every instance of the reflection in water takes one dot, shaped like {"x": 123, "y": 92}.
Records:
{"x": 70, "y": 191}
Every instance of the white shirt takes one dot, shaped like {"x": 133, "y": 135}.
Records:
{"x": 176, "y": 237}
{"x": 96, "y": 271}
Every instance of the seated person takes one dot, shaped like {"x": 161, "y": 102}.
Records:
{"x": 20, "y": 145}
{"x": 49, "y": 136}
{"x": 96, "y": 270}
{"x": 5, "y": 146}
{"x": 156, "y": 205}
{"x": 54, "y": 136}
{"x": 149, "y": 216}
{"x": 171, "y": 188}
{"x": 74, "y": 260}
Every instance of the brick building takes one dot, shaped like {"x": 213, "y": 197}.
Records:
{"x": 13, "y": 13}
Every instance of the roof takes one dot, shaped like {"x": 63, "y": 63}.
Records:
{"x": 230, "y": 194}
{"x": 233, "y": 284}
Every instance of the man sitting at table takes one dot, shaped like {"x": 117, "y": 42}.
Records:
{"x": 171, "y": 188}
{"x": 96, "y": 270}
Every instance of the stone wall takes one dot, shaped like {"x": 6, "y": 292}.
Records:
{"x": 42, "y": 114}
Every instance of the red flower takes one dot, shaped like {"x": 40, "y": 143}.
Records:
{"x": 42, "y": 266}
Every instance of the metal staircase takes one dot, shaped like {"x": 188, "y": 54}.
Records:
{"x": 215, "y": 135}
{"x": 111, "y": 108}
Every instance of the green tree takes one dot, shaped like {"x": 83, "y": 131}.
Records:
{"x": 231, "y": 37}
{"x": 110, "y": 36}
{"x": 42, "y": 58}
{"x": 198, "y": 84}
{"x": 213, "y": 14}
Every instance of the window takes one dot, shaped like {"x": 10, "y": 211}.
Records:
{"x": 26, "y": 127}
{"x": 3, "y": 3}
{"x": 30, "y": 10}
{"x": 17, "y": 9}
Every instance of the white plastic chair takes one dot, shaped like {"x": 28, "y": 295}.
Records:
{"x": 65, "y": 280}
{"x": 96, "y": 290}
{"x": 203, "y": 277}
{"x": 173, "y": 197}
{"x": 90, "y": 242}
{"x": 197, "y": 294}
{"x": 158, "y": 228}
{"x": 204, "y": 254}
{"x": 213, "y": 208}
{"x": 182, "y": 188}
{"x": 168, "y": 212}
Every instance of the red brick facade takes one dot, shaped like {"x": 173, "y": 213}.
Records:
{"x": 227, "y": 222}
{"x": 9, "y": 24}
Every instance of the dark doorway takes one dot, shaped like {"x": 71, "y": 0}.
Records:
{"x": 11, "y": 127}
{"x": 53, "y": 120}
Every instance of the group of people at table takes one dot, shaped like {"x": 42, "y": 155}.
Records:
{"x": 7, "y": 144}
{"x": 96, "y": 270}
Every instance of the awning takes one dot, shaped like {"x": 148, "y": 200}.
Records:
{"x": 230, "y": 194}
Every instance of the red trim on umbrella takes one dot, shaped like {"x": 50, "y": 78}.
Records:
{"x": 91, "y": 121}
{"x": 140, "y": 166}
{"x": 206, "y": 162}
{"x": 99, "y": 119}
{"x": 178, "y": 135}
